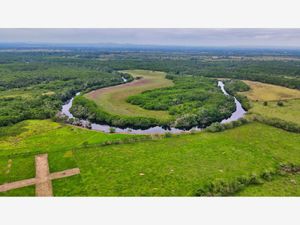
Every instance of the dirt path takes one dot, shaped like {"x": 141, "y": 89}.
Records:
{"x": 43, "y": 183}
{"x": 65, "y": 173}
{"x": 42, "y": 179}
{"x": 17, "y": 184}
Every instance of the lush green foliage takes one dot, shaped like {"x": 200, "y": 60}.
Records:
{"x": 194, "y": 101}
{"x": 37, "y": 90}
{"x": 276, "y": 122}
{"x": 217, "y": 127}
{"x": 235, "y": 86}
{"x": 87, "y": 109}
{"x": 34, "y": 85}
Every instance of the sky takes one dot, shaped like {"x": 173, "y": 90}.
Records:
{"x": 177, "y": 37}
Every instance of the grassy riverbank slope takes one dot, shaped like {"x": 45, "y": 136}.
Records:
{"x": 174, "y": 166}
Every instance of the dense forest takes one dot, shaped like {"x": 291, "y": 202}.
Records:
{"x": 37, "y": 90}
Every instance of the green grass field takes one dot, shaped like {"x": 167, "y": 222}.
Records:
{"x": 175, "y": 166}
{"x": 280, "y": 186}
{"x": 113, "y": 99}
{"x": 37, "y": 136}
{"x": 290, "y": 111}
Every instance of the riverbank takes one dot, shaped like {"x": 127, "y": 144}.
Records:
{"x": 237, "y": 114}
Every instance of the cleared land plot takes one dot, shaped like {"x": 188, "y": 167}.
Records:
{"x": 268, "y": 92}
{"x": 113, "y": 99}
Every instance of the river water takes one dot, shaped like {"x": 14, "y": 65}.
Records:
{"x": 237, "y": 114}
{"x": 239, "y": 111}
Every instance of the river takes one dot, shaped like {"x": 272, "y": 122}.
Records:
{"x": 237, "y": 114}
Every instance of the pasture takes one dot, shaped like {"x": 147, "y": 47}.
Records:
{"x": 268, "y": 92}
{"x": 113, "y": 99}
{"x": 265, "y": 98}
{"x": 174, "y": 166}
{"x": 290, "y": 111}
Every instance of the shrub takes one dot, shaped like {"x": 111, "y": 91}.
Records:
{"x": 265, "y": 103}
{"x": 215, "y": 127}
{"x": 112, "y": 130}
{"x": 280, "y": 103}
{"x": 168, "y": 134}
{"x": 288, "y": 126}
{"x": 225, "y": 188}
{"x": 193, "y": 131}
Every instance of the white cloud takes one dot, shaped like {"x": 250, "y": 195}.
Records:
{"x": 192, "y": 37}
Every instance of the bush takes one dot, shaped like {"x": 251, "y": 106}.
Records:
{"x": 265, "y": 103}
{"x": 226, "y": 188}
{"x": 280, "y": 103}
{"x": 288, "y": 126}
{"x": 193, "y": 131}
{"x": 112, "y": 130}
{"x": 168, "y": 134}
{"x": 215, "y": 127}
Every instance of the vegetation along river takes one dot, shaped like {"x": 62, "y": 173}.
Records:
{"x": 237, "y": 114}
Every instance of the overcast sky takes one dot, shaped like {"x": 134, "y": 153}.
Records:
{"x": 183, "y": 37}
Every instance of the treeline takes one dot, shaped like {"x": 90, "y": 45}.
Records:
{"x": 278, "y": 72}
{"x": 275, "y": 122}
{"x": 87, "y": 109}
{"x": 37, "y": 91}
{"x": 35, "y": 84}
{"x": 193, "y": 101}
{"x": 16, "y": 109}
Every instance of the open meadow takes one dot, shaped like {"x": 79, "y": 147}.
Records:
{"x": 165, "y": 166}
{"x": 268, "y": 92}
{"x": 274, "y": 101}
{"x": 113, "y": 99}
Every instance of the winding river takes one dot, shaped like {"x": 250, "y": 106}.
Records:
{"x": 237, "y": 114}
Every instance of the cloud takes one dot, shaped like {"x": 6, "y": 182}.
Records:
{"x": 185, "y": 37}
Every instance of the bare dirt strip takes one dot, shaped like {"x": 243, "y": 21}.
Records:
{"x": 43, "y": 185}
{"x": 42, "y": 179}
